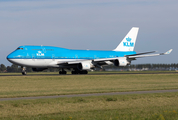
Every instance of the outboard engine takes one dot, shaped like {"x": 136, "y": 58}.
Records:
{"x": 85, "y": 66}
{"x": 121, "y": 62}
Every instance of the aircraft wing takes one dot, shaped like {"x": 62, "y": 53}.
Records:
{"x": 141, "y": 54}
{"x": 74, "y": 62}
{"x": 86, "y": 60}
{"x": 133, "y": 56}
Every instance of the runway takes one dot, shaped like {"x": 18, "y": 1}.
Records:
{"x": 103, "y": 73}
{"x": 88, "y": 95}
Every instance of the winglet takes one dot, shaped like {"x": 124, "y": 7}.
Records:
{"x": 168, "y": 52}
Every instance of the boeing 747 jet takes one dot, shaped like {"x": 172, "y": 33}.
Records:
{"x": 78, "y": 61}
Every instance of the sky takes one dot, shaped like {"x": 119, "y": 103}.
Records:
{"x": 90, "y": 24}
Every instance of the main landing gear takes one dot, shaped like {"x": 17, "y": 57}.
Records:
{"x": 24, "y": 71}
{"x": 80, "y": 72}
{"x": 63, "y": 72}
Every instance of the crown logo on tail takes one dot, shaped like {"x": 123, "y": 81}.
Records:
{"x": 128, "y": 43}
{"x": 128, "y": 39}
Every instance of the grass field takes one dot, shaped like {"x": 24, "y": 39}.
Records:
{"x": 119, "y": 107}
{"x": 19, "y": 86}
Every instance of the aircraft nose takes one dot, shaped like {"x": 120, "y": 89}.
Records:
{"x": 10, "y": 56}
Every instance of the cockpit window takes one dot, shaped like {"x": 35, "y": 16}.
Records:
{"x": 19, "y": 49}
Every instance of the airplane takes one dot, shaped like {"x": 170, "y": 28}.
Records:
{"x": 41, "y": 57}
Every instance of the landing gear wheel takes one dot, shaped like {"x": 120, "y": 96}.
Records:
{"x": 84, "y": 72}
{"x": 62, "y": 72}
{"x": 74, "y": 72}
{"x": 24, "y": 71}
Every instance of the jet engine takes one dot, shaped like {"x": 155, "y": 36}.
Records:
{"x": 85, "y": 66}
{"x": 121, "y": 62}
{"x": 38, "y": 69}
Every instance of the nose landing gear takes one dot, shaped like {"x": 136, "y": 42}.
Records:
{"x": 24, "y": 71}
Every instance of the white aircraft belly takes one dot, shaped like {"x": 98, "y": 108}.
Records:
{"x": 32, "y": 62}
{"x": 39, "y": 62}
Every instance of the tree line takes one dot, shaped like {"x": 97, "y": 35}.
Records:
{"x": 173, "y": 66}
{"x": 12, "y": 68}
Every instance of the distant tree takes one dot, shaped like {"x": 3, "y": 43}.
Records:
{"x": 9, "y": 69}
{"x": 14, "y": 68}
{"x": 28, "y": 69}
{"x": 2, "y": 68}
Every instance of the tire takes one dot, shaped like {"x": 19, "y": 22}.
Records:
{"x": 62, "y": 72}
{"x": 74, "y": 72}
{"x": 24, "y": 73}
{"x": 84, "y": 72}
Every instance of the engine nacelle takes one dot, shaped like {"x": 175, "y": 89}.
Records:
{"x": 84, "y": 66}
{"x": 38, "y": 69}
{"x": 121, "y": 62}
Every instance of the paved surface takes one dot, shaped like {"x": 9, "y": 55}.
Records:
{"x": 87, "y": 95}
{"x": 103, "y": 73}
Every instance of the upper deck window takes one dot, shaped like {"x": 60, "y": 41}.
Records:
{"x": 19, "y": 49}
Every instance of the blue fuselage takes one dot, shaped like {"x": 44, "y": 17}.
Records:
{"x": 49, "y": 52}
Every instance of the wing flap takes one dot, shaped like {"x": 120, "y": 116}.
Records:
{"x": 73, "y": 62}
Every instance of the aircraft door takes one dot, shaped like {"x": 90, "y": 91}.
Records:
{"x": 43, "y": 48}
{"x": 33, "y": 57}
{"x": 53, "y": 57}
{"x": 76, "y": 56}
